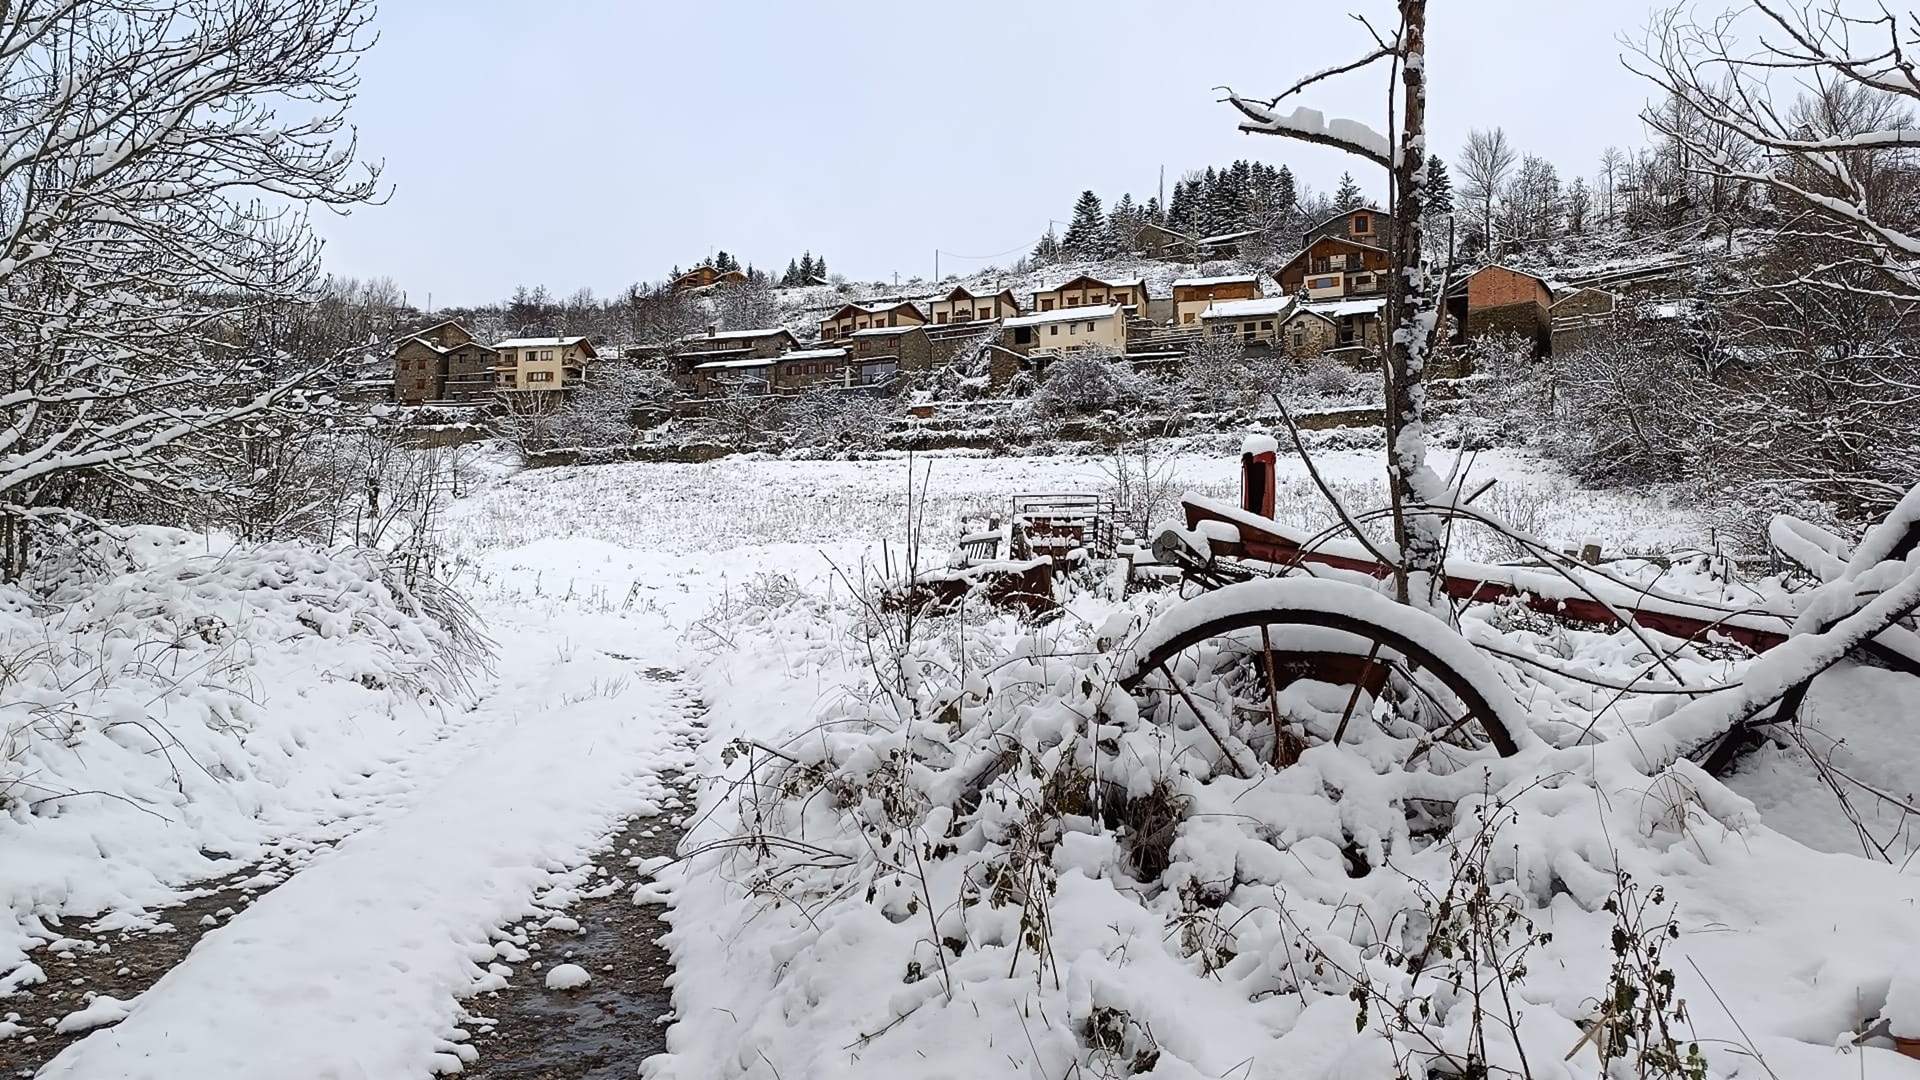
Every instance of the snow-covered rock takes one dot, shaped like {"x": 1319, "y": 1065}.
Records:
{"x": 568, "y": 977}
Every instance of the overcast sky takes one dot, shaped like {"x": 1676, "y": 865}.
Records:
{"x": 599, "y": 142}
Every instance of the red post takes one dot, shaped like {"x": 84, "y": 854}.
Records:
{"x": 1258, "y": 460}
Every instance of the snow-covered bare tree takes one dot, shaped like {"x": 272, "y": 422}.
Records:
{"x": 1823, "y": 320}
{"x": 1485, "y": 162}
{"x": 1413, "y": 299}
{"x": 1728, "y": 122}
{"x": 158, "y": 159}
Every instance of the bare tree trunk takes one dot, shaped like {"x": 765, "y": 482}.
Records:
{"x": 1412, "y": 324}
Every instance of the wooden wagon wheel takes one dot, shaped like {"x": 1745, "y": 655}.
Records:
{"x": 1383, "y": 632}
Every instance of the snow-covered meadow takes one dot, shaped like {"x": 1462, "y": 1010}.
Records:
{"x": 409, "y": 816}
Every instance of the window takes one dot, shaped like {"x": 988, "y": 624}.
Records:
{"x": 1023, "y": 335}
{"x": 1187, "y": 318}
{"x": 1266, "y": 324}
{"x": 1096, "y": 299}
{"x": 1361, "y": 224}
{"x": 539, "y": 376}
{"x": 826, "y": 333}
{"x": 984, "y": 313}
{"x": 1054, "y": 330}
{"x": 1299, "y": 336}
{"x": 1046, "y": 305}
{"x": 939, "y": 317}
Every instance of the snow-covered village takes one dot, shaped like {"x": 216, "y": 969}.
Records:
{"x": 1375, "y": 541}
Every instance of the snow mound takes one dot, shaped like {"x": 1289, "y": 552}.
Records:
{"x": 104, "y": 1009}
{"x": 568, "y": 977}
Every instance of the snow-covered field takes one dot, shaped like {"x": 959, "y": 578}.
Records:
{"x": 417, "y": 816}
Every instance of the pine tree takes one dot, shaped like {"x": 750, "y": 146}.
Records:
{"x": 1086, "y": 233}
{"x": 1439, "y": 189}
{"x": 1348, "y": 196}
{"x": 807, "y": 270}
{"x": 1180, "y": 208}
{"x": 820, "y": 268}
{"x": 1153, "y": 214}
{"x": 1123, "y": 224}
{"x": 792, "y": 276}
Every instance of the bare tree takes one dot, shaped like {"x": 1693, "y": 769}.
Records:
{"x": 1485, "y": 162}
{"x": 1612, "y": 165}
{"x": 160, "y": 157}
{"x": 1413, "y": 298}
{"x": 1727, "y": 124}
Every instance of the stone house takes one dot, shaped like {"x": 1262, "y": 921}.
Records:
{"x": 541, "y": 364}
{"x": 852, "y": 317}
{"x": 1503, "y": 300}
{"x": 703, "y": 277}
{"x": 1068, "y": 329}
{"x": 443, "y": 363}
{"x": 1333, "y": 267}
{"x": 717, "y": 345}
{"x": 713, "y": 378}
{"x": 1359, "y": 328}
{"x": 1361, "y": 225}
{"x": 1574, "y": 316}
{"x": 1085, "y": 291}
{"x": 1192, "y": 296}
{"x": 908, "y": 347}
{"x": 965, "y": 305}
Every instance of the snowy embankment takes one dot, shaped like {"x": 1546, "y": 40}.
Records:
{"x": 196, "y": 710}
{"x": 176, "y": 709}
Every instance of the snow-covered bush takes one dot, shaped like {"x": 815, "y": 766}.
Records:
{"x": 975, "y": 838}
{"x": 1326, "y": 377}
{"x": 1088, "y": 381}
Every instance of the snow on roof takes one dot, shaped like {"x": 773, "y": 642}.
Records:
{"x": 1247, "y": 309}
{"x": 812, "y": 354}
{"x": 736, "y": 335}
{"x": 715, "y": 364}
{"x": 1140, "y": 283}
{"x": 1072, "y": 314}
{"x": 1224, "y": 237}
{"x": 538, "y": 342}
{"x": 1337, "y": 308}
{"x": 1229, "y": 279}
{"x": 884, "y": 331}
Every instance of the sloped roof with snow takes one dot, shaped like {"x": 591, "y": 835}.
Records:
{"x": 1229, "y": 279}
{"x": 885, "y": 331}
{"x": 1139, "y": 283}
{"x": 723, "y": 364}
{"x": 539, "y": 342}
{"x": 813, "y": 354}
{"x": 1072, "y": 314}
{"x": 1334, "y": 309}
{"x": 736, "y": 335}
{"x": 1247, "y": 309}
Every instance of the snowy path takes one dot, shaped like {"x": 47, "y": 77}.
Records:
{"x": 353, "y": 968}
